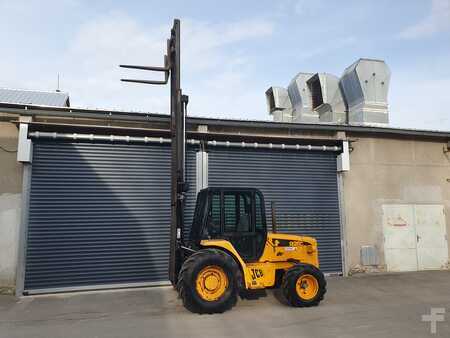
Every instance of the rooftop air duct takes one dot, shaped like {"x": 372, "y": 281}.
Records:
{"x": 358, "y": 97}
{"x": 300, "y": 96}
{"x": 326, "y": 98}
{"x": 279, "y": 104}
{"x": 365, "y": 87}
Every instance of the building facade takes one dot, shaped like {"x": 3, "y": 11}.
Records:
{"x": 85, "y": 200}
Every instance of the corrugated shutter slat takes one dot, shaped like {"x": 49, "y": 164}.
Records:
{"x": 303, "y": 185}
{"x": 99, "y": 214}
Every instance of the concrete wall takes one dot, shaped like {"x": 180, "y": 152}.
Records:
{"x": 390, "y": 171}
{"x": 10, "y": 202}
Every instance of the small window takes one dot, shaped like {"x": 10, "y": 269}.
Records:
{"x": 229, "y": 204}
{"x": 213, "y": 223}
{"x": 199, "y": 215}
{"x": 237, "y": 212}
{"x": 258, "y": 212}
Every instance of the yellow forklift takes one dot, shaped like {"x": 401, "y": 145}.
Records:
{"x": 229, "y": 252}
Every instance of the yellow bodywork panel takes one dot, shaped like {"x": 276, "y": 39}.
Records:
{"x": 281, "y": 251}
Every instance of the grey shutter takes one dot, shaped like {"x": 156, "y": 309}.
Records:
{"x": 303, "y": 185}
{"x": 99, "y": 215}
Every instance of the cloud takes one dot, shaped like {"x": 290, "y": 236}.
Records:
{"x": 212, "y": 67}
{"x": 218, "y": 76}
{"x": 437, "y": 21}
{"x": 205, "y": 44}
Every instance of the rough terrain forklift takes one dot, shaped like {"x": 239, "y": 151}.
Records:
{"x": 229, "y": 252}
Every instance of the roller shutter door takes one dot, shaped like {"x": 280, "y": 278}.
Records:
{"x": 303, "y": 185}
{"x": 99, "y": 215}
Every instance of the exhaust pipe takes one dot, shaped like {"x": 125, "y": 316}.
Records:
{"x": 274, "y": 217}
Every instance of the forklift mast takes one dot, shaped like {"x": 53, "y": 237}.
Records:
{"x": 178, "y": 107}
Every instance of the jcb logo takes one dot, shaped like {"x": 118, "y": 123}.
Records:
{"x": 257, "y": 273}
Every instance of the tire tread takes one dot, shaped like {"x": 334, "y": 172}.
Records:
{"x": 290, "y": 279}
{"x": 186, "y": 291}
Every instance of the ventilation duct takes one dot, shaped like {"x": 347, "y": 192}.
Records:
{"x": 326, "y": 98}
{"x": 358, "y": 97}
{"x": 300, "y": 95}
{"x": 365, "y": 87}
{"x": 279, "y": 104}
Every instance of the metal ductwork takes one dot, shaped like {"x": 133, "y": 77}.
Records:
{"x": 365, "y": 86}
{"x": 358, "y": 97}
{"x": 279, "y": 104}
{"x": 300, "y": 96}
{"x": 326, "y": 98}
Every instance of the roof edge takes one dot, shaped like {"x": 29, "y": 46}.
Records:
{"x": 22, "y": 109}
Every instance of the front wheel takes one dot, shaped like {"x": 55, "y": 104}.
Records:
{"x": 208, "y": 282}
{"x": 304, "y": 285}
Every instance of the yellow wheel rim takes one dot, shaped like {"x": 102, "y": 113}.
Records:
{"x": 307, "y": 287}
{"x": 211, "y": 283}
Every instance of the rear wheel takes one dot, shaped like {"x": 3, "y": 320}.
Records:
{"x": 207, "y": 282}
{"x": 304, "y": 285}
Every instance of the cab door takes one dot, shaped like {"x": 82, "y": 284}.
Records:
{"x": 240, "y": 223}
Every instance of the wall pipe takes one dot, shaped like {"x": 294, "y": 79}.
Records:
{"x": 162, "y": 140}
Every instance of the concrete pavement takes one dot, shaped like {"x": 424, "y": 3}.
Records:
{"x": 385, "y": 305}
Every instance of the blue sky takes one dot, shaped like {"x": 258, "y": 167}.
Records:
{"x": 232, "y": 51}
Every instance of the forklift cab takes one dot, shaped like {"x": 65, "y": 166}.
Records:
{"x": 233, "y": 214}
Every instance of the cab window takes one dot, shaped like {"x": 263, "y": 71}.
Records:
{"x": 259, "y": 207}
{"x": 213, "y": 220}
{"x": 199, "y": 215}
{"x": 237, "y": 212}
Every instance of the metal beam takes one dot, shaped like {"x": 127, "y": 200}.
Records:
{"x": 153, "y": 82}
{"x": 151, "y": 68}
{"x": 23, "y": 229}
{"x": 279, "y": 146}
{"x": 163, "y": 140}
{"x": 218, "y": 136}
{"x": 177, "y": 128}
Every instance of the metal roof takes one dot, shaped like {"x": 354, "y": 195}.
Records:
{"x": 43, "y": 98}
{"x": 110, "y": 115}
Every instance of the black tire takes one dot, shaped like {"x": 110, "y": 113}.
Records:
{"x": 289, "y": 283}
{"x": 187, "y": 277}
